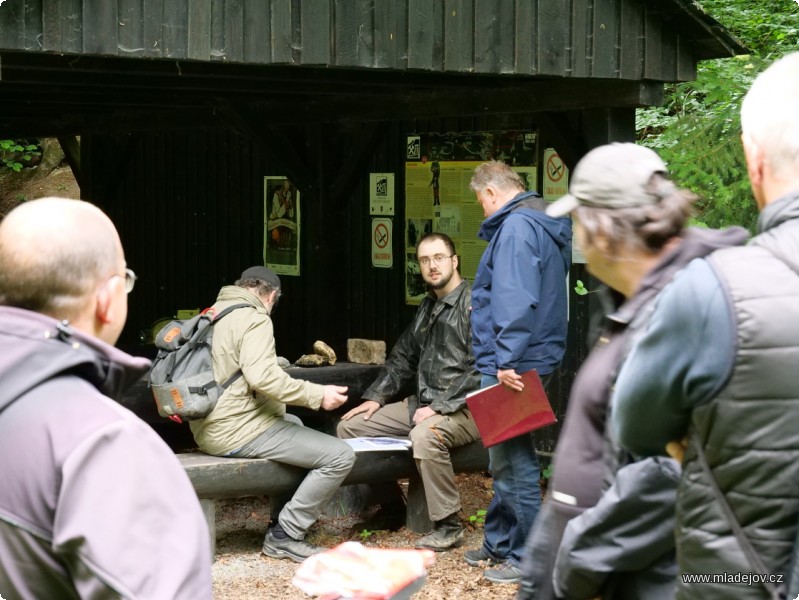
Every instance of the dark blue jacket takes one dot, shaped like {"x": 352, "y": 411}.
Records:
{"x": 519, "y": 294}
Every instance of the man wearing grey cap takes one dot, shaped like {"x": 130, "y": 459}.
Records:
{"x": 248, "y": 420}
{"x": 607, "y": 527}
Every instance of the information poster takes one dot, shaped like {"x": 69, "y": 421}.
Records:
{"x": 438, "y": 170}
{"x": 281, "y": 225}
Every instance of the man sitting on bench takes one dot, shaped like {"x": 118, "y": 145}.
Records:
{"x": 433, "y": 357}
{"x": 248, "y": 420}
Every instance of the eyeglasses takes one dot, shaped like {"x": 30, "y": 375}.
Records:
{"x": 130, "y": 280}
{"x": 436, "y": 260}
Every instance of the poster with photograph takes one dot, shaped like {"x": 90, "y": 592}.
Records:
{"x": 281, "y": 225}
{"x": 438, "y": 171}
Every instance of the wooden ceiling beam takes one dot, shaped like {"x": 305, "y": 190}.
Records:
{"x": 47, "y": 109}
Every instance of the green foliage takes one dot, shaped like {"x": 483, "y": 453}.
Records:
{"x": 766, "y": 27}
{"x": 547, "y": 473}
{"x": 697, "y": 130}
{"x": 581, "y": 290}
{"x": 365, "y": 535}
{"x": 14, "y": 151}
{"x": 479, "y": 518}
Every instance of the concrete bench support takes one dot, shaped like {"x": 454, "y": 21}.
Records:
{"x": 215, "y": 478}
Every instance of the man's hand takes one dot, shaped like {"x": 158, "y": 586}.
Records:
{"x": 369, "y": 407}
{"x": 676, "y": 449}
{"x": 335, "y": 396}
{"x": 423, "y": 413}
{"x": 510, "y": 379}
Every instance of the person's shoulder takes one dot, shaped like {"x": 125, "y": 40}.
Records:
{"x": 74, "y": 410}
{"x": 692, "y": 291}
{"x": 697, "y": 278}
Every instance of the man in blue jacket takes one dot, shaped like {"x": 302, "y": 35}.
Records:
{"x": 518, "y": 324}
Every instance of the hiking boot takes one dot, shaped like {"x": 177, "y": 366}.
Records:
{"x": 443, "y": 537}
{"x": 505, "y": 572}
{"x": 385, "y": 519}
{"x": 296, "y": 550}
{"x": 480, "y": 558}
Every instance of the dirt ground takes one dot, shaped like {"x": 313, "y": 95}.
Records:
{"x": 15, "y": 189}
{"x": 241, "y": 572}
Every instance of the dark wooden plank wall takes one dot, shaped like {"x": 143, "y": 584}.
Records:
{"x": 189, "y": 208}
{"x": 627, "y": 39}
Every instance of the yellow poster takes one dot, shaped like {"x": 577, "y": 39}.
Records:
{"x": 438, "y": 170}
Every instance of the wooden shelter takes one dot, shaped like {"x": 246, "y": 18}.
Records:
{"x": 171, "y": 113}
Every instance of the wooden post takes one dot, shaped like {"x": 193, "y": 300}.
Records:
{"x": 417, "y": 518}
{"x": 209, "y": 511}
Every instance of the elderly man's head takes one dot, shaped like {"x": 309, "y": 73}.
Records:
{"x": 495, "y": 184}
{"x": 770, "y": 123}
{"x": 63, "y": 258}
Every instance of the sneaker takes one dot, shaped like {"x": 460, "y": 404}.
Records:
{"x": 505, "y": 572}
{"x": 480, "y": 558}
{"x": 443, "y": 537}
{"x": 296, "y": 550}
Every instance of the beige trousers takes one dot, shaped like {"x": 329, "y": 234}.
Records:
{"x": 432, "y": 440}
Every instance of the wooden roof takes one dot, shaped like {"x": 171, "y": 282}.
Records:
{"x": 69, "y": 65}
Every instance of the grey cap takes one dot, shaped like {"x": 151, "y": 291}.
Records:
{"x": 611, "y": 176}
{"x": 262, "y": 273}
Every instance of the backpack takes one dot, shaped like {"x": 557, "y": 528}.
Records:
{"x": 182, "y": 376}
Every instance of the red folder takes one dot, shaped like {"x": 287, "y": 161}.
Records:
{"x": 502, "y": 414}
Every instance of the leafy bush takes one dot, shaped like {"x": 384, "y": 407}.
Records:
{"x": 13, "y": 153}
{"x": 697, "y": 130}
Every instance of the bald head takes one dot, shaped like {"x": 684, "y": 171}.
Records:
{"x": 54, "y": 254}
{"x": 770, "y": 124}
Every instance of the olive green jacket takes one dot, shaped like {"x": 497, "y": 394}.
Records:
{"x": 245, "y": 340}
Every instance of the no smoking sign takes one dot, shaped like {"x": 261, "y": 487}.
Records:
{"x": 556, "y": 176}
{"x": 382, "y": 256}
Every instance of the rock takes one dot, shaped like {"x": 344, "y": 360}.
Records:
{"x": 312, "y": 360}
{"x": 322, "y": 349}
{"x": 366, "y": 352}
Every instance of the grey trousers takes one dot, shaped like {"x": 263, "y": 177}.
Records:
{"x": 329, "y": 459}
{"x": 432, "y": 440}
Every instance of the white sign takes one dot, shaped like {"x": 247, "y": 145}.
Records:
{"x": 381, "y": 193}
{"x": 556, "y": 176}
{"x": 382, "y": 257}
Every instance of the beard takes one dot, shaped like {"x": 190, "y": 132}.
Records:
{"x": 441, "y": 283}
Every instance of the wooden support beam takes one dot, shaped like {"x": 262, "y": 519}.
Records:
{"x": 71, "y": 147}
{"x": 99, "y": 110}
{"x": 273, "y": 141}
{"x": 347, "y": 175}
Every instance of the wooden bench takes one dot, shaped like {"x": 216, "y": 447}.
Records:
{"x": 217, "y": 478}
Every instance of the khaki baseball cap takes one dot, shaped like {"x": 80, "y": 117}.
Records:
{"x": 611, "y": 176}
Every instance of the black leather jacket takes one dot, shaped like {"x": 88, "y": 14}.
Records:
{"x": 433, "y": 357}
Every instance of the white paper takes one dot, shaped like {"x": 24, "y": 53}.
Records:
{"x": 365, "y": 444}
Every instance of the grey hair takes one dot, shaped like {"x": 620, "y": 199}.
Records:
{"x": 648, "y": 227}
{"x": 496, "y": 173}
{"x": 259, "y": 286}
{"x": 770, "y": 115}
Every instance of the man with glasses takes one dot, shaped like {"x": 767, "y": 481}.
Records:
{"x": 92, "y": 502}
{"x": 433, "y": 359}
{"x": 249, "y": 420}
{"x": 518, "y": 324}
